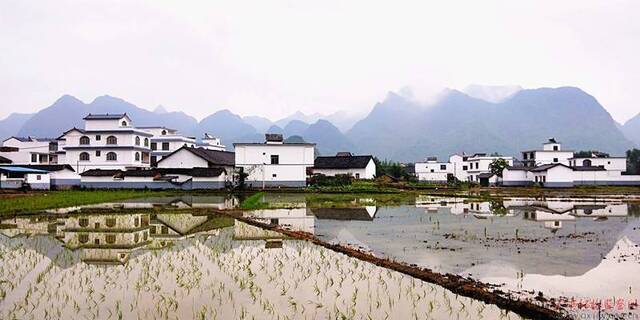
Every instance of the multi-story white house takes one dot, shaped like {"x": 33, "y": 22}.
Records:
{"x": 165, "y": 141}
{"x": 433, "y": 171}
{"x": 42, "y": 151}
{"x": 479, "y": 168}
{"x": 275, "y": 163}
{"x": 211, "y": 142}
{"x": 359, "y": 167}
{"x": 108, "y": 141}
{"x": 551, "y": 153}
{"x": 553, "y": 167}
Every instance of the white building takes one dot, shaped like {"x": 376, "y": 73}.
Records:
{"x": 359, "y": 167}
{"x": 212, "y": 143}
{"x": 479, "y": 171}
{"x": 165, "y": 141}
{"x": 109, "y": 142}
{"x": 189, "y": 157}
{"x": 19, "y": 177}
{"x": 275, "y": 163}
{"x": 61, "y": 176}
{"x": 554, "y": 167}
{"x": 21, "y": 150}
{"x": 551, "y": 153}
{"x": 433, "y": 171}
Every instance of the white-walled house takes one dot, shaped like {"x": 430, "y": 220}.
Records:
{"x": 165, "y": 141}
{"x": 108, "y": 142}
{"x": 211, "y": 142}
{"x": 61, "y": 176}
{"x": 189, "y": 157}
{"x": 433, "y": 171}
{"x": 359, "y": 167}
{"x": 13, "y": 177}
{"x": 29, "y": 150}
{"x": 479, "y": 170}
{"x": 559, "y": 169}
{"x": 275, "y": 163}
{"x": 551, "y": 153}
{"x": 158, "y": 178}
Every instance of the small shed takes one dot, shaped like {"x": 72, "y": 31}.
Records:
{"x": 20, "y": 177}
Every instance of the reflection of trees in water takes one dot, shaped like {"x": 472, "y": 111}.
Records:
{"x": 497, "y": 207}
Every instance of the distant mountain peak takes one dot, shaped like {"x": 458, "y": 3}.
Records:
{"x": 491, "y": 93}
{"x": 160, "y": 109}
{"x": 68, "y": 99}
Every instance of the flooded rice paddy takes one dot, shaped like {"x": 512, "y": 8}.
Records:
{"x": 171, "y": 258}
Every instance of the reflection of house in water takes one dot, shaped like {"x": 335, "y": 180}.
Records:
{"x": 436, "y": 204}
{"x": 113, "y": 238}
{"x": 554, "y": 213}
{"x": 297, "y": 219}
{"x": 106, "y": 239}
{"x": 181, "y": 202}
{"x": 358, "y": 213}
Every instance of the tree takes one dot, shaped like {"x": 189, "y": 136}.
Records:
{"x": 497, "y": 166}
{"x": 633, "y": 161}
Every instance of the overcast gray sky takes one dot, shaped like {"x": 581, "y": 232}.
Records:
{"x": 274, "y": 57}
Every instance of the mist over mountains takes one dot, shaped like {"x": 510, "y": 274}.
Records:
{"x": 482, "y": 119}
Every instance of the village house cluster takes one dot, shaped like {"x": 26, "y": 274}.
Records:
{"x": 550, "y": 166}
{"x": 111, "y": 152}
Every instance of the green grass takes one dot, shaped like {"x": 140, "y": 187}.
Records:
{"x": 253, "y": 202}
{"x": 356, "y": 187}
{"x": 38, "y": 201}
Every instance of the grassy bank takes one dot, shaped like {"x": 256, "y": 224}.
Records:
{"x": 37, "y": 201}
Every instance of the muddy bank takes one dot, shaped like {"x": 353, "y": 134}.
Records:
{"x": 457, "y": 284}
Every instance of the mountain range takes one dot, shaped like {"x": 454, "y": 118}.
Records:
{"x": 492, "y": 119}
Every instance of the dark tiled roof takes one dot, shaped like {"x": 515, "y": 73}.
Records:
{"x": 592, "y": 168}
{"x": 546, "y": 167}
{"x": 214, "y": 157}
{"x": 9, "y": 149}
{"x": 206, "y": 172}
{"x": 100, "y": 173}
{"x": 29, "y": 139}
{"x": 140, "y": 173}
{"x": 5, "y": 160}
{"x": 106, "y": 116}
{"x": 521, "y": 168}
{"x": 46, "y": 167}
{"x": 352, "y": 162}
{"x": 485, "y": 175}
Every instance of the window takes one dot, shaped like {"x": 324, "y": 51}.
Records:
{"x": 146, "y": 142}
{"x": 586, "y": 163}
{"x": 84, "y": 222}
{"x": 137, "y": 141}
{"x": 154, "y": 146}
{"x": 38, "y": 177}
{"x": 137, "y": 156}
{"x": 165, "y": 146}
{"x": 524, "y": 156}
{"x": 110, "y": 222}
{"x": 152, "y": 230}
{"x": 274, "y": 175}
{"x": 136, "y": 222}
{"x": 84, "y": 140}
{"x": 98, "y": 137}
{"x": 145, "y": 236}
{"x": 432, "y": 170}
{"x": 83, "y": 238}
{"x": 98, "y": 153}
{"x": 112, "y": 156}
{"x": 154, "y": 160}
{"x": 34, "y": 157}
{"x": 164, "y": 230}
{"x": 555, "y": 148}
{"x": 124, "y": 123}
{"x": 112, "y": 140}
{"x": 443, "y": 167}
{"x": 465, "y": 168}
{"x": 164, "y": 132}
{"x": 84, "y": 156}
{"x": 555, "y": 159}
{"x": 110, "y": 238}
{"x": 275, "y": 159}
{"x": 357, "y": 176}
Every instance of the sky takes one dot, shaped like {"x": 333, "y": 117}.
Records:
{"x": 272, "y": 58}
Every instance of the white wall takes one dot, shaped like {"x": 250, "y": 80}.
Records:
{"x": 614, "y": 164}
{"x": 368, "y": 172}
{"x": 293, "y": 162}
{"x": 547, "y": 157}
{"x": 183, "y": 159}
